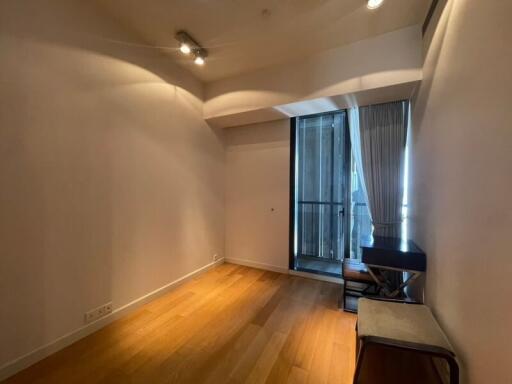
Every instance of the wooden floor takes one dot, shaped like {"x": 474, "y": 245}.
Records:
{"x": 233, "y": 324}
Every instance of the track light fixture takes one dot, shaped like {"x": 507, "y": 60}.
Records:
{"x": 189, "y": 45}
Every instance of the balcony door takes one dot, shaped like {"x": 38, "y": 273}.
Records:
{"x": 320, "y": 186}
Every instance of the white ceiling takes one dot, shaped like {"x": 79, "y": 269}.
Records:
{"x": 245, "y": 35}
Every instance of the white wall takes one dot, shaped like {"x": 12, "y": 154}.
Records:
{"x": 257, "y": 181}
{"x": 391, "y": 58}
{"x": 462, "y": 180}
{"x": 112, "y": 184}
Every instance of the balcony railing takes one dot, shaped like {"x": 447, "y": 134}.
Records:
{"x": 320, "y": 230}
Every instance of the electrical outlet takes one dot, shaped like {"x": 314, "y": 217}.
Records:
{"x": 89, "y": 316}
{"x": 216, "y": 257}
{"x": 96, "y": 313}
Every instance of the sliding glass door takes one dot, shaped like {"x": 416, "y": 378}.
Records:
{"x": 320, "y": 192}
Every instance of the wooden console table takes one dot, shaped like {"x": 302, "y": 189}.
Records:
{"x": 393, "y": 254}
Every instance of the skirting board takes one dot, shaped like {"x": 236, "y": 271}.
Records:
{"x": 255, "y": 264}
{"x": 286, "y": 271}
{"x": 20, "y": 363}
{"x": 330, "y": 279}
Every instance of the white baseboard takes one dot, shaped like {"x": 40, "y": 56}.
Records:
{"x": 255, "y": 264}
{"x": 40, "y": 353}
{"x": 315, "y": 276}
{"x": 286, "y": 271}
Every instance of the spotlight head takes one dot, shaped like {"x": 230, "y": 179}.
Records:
{"x": 185, "y": 48}
{"x": 199, "y": 60}
{"x": 374, "y": 4}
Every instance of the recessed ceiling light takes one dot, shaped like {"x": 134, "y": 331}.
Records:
{"x": 185, "y": 48}
{"x": 374, "y": 4}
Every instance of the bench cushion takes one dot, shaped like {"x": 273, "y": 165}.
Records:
{"x": 410, "y": 323}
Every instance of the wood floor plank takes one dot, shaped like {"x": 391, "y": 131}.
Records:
{"x": 298, "y": 376}
{"x": 220, "y": 365}
{"x": 266, "y": 360}
{"x": 321, "y": 355}
{"x": 233, "y": 324}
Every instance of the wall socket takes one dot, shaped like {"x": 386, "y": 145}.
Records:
{"x": 216, "y": 257}
{"x": 96, "y": 313}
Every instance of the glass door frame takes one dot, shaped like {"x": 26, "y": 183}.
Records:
{"x": 293, "y": 189}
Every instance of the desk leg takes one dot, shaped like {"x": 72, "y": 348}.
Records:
{"x": 377, "y": 281}
{"x": 414, "y": 276}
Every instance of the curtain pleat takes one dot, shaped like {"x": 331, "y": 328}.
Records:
{"x": 355, "y": 142}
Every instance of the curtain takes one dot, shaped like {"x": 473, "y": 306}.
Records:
{"x": 355, "y": 142}
{"x": 382, "y": 135}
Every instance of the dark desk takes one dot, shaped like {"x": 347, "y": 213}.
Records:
{"x": 393, "y": 254}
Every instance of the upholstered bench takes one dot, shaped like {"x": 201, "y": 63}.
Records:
{"x": 408, "y": 327}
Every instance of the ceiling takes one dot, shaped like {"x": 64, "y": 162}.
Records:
{"x": 245, "y": 35}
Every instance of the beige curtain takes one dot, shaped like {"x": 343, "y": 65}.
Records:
{"x": 383, "y": 134}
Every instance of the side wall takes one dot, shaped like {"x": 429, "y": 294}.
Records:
{"x": 112, "y": 184}
{"x": 461, "y": 167}
{"x": 257, "y": 194}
